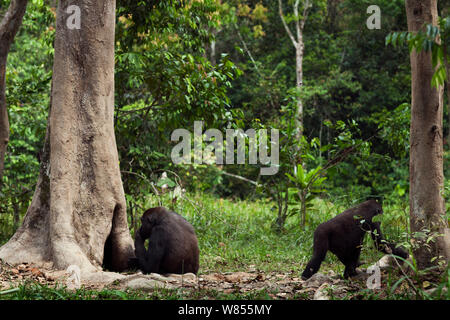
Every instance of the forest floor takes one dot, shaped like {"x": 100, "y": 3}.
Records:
{"x": 30, "y": 282}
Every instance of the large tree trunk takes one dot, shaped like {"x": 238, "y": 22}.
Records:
{"x": 78, "y": 212}
{"x": 9, "y": 26}
{"x": 427, "y": 207}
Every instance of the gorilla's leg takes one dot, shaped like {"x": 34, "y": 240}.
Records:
{"x": 351, "y": 263}
{"x": 350, "y": 270}
{"x": 377, "y": 236}
{"x": 320, "y": 249}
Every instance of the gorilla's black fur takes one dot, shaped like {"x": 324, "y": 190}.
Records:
{"x": 173, "y": 245}
{"x": 343, "y": 235}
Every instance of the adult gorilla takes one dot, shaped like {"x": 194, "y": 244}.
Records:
{"x": 173, "y": 245}
{"x": 343, "y": 235}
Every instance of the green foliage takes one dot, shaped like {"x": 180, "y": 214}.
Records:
{"x": 349, "y": 74}
{"x": 307, "y": 180}
{"x": 164, "y": 82}
{"x": 435, "y": 39}
{"x": 308, "y": 185}
{"x": 189, "y": 19}
{"x": 395, "y": 128}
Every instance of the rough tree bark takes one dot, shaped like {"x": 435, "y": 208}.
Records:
{"x": 427, "y": 207}
{"x": 9, "y": 26}
{"x": 447, "y": 69}
{"x": 299, "y": 46}
{"x": 212, "y": 47}
{"x": 445, "y": 12}
{"x": 448, "y": 104}
{"x": 78, "y": 212}
{"x": 447, "y": 82}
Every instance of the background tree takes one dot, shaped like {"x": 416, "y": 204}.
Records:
{"x": 299, "y": 45}
{"x": 78, "y": 212}
{"x": 28, "y": 85}
{"x": 9, "y": 26}
{"x": 427, "y": 206}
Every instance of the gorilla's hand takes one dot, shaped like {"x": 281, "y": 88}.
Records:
{"x": 139, "y": 247}
{"x": 138, "y": 235}
{"x": 133, "y": 263}
{"x": 400, "y": 252}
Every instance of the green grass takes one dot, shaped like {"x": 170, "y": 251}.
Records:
{"x": 35, "y": 291}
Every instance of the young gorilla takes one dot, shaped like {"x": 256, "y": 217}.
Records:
{"x": 173, "y": 245}
{"x": 343, "y": 235}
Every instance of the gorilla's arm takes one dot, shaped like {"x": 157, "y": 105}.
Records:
{"x": 150, "y": 260}
{"x": 139, "y": 249}
{"x": 381, "y": 244}
{"x": 377, "y": 236}
{"x": 320, "y": 248}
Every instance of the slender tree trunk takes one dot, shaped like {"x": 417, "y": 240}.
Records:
{"x": 448, "y": 106}
{"x": 447, "y": 71}
{"x": 320, "y": 139}
{"x": 16, "y": 214}
{"x": 427, "y": 207}
{"x": 303, "y": 209}
{"x": 78, "y": 212}
{"x": 9, "y": 26}
{"x": 213, "y": 52}
{"x": 212, "y": 48}
{"x": 297, "y": 42}
{"x": 332, "y": 14}
{"x": 299, "y": 50}
{"x": 447, "y": 68}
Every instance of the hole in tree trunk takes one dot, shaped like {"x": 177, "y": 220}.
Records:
{"x": 107, "y": 254}
{"x": 109, "y": 250}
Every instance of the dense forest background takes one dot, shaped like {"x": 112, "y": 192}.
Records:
{"x": 231, "y": 64}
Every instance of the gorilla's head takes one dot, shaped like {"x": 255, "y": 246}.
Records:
{"x": 374, "y": 207}
{"x": 149, "y": 219}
